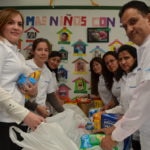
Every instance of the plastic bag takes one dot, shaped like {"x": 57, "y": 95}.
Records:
{"x": 72, "y": 122}
{"x": 48, "y": 136}
{"x": 77, "y": 110}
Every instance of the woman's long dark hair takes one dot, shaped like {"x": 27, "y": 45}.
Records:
{"x": 95, "y": 76}
{"x": 108, "y": 76}
{"x": 54, "y": 54}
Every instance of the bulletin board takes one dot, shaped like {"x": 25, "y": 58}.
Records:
{"x": 90, "y": 32}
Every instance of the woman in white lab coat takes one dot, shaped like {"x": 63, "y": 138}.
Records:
{"x": 12, "y": 65}
{"x": 112, "y": 74}
{"x": 127, "y": 57}
{"x": 98, "y": 85}
{"x": 46, "y": 88}
{"x": 54, "y": 59}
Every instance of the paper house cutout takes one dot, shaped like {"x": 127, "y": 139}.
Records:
{"x": 79, "y": 48}
{"x": 62, "y": 74}
{"x": 64, "y": 36}
{"x": 64, "y": 54}
{"x": 31, "y": 34}
{"x": 80, "y": 66}
{"x": 29, "y": 47}
{"x": 80, "y": 85}
{"x": 63, "y": 90}
{"x": 98, "y": 51}
{"x": 115, "y": 45}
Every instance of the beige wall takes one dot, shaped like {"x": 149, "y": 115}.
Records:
{"x": 64, "y": 2}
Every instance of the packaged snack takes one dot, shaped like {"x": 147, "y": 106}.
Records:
{"x": 36, "y": 75}
{"x": 91, "y": 140}
{"x": 33, "y": 78}
{"x": 107, "y": 120}
{"x": 97, "y": 120}
{"x": 89, "y": 126}
{"x": 92, "y": 111}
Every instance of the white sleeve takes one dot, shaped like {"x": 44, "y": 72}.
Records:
{"x": 17, "y": 111}
{"x": 51, "y": 86}
{"x": 136, "y": 115}
{"x": 116, "y": 110}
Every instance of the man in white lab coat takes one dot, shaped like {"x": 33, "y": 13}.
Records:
{"x": 135, "y": 19}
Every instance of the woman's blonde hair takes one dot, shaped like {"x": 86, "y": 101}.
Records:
{"x": 6, "y": 15}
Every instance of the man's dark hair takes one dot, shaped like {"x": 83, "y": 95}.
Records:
{"x": 139, "y": 5}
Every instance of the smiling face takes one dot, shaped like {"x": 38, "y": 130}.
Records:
{"x": 136, "y": 25}
{"x": 111, "y": 63}
{"x": 126, "y": 61}
{"x": 13, "y": 29}
{"x": 54, "y": 62}
{"x": 41, "y": 53}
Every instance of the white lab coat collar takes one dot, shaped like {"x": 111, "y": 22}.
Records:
{"x": 12, "y": 46}
{"x": 33, "y": 65}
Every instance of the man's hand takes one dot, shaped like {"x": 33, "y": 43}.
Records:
{"x": 107, "y": 131}
{"x": 107, "y": 143}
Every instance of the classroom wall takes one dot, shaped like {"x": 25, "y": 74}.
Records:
{"x": 41, "y": 21}
{"x": 48, "y": 22}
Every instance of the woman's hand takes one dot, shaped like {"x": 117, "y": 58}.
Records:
{"x": 32, "y": 120}
{"x": 29, "y": 89}
{"x": 42, "y": 110}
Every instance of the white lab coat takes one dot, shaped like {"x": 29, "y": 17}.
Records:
{"x": 128, "y": 85}
{"x": 12, "y": 64}
{"x": 138, "y": 114}
{"x": 125, "y": 87}
{"x": 55, "y": 82}
{"x": 15, "y": 110}
{"x": 104, "y": 93}
{"x": 45, "y": 83}
{"x": 116, "y": 90}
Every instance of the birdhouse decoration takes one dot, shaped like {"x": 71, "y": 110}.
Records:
{"x": 28, "y": 47}
{"x": 80, "y": 85}
{"x": 63, "y": 91}
{"x": 62, "y": 74}
{"x": 64, "y": 36}
{"x": 115, "y": 45}
{"x": 79, "y": 48}
{"x": 80, "y": 66}
{"x": 98, "y": 51}
{"x": 31, "y": 34}
{"x": 64, "y": 54}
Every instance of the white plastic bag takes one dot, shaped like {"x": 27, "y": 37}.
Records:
{"x": 71, "y": 121}
{"x": 76, "y": 109}
{"x": 48, "y": 136}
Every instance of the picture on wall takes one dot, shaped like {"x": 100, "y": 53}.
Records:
{"x": 97, "y": 35}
